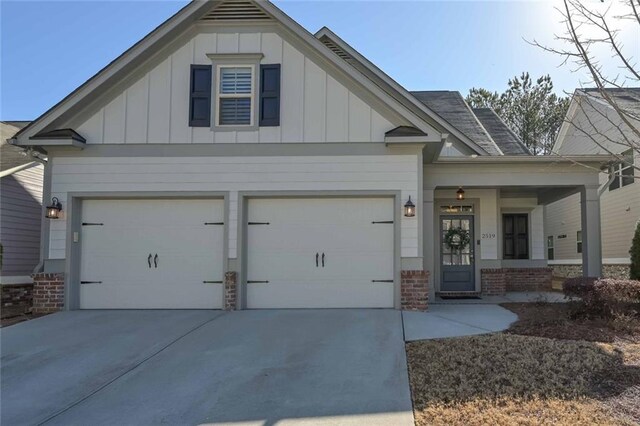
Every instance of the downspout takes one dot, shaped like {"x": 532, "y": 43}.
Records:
{"x": 612, "y": 176}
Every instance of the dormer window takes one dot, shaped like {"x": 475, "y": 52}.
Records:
{"x": 235, "y": 95}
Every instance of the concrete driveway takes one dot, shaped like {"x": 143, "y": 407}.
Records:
{"x": 195, "y": 367}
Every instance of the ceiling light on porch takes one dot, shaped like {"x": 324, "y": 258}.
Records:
{"x": 460, "y": 194}
{"x": 53, "y": 211}
{"x": 409, "y": 208}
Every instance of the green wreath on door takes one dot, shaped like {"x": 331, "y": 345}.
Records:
{"x": 457, "y": 238}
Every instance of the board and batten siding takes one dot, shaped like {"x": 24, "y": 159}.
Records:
{"x": 21, "y": 215}
{"x": 315, "y": 107}
{"x": 233, "y": 174}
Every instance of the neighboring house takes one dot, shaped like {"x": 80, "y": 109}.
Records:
{"x": 20, "y": 219}
{"x": 20, "y": 208}
{"x": 231, "y": 159}
{"x": 593, "y": 127}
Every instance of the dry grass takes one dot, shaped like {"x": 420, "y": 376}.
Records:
{"x": 509, "y": 379}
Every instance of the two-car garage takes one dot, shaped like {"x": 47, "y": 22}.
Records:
{"x": 299, "y": 253}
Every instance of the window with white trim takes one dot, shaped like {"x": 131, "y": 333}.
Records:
{"x": 234, "y": 97}
{"x": 623, "y": 171}
{"x": 579, "y": 241}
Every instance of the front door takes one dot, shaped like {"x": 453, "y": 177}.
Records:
{"x": 456, "y": 253}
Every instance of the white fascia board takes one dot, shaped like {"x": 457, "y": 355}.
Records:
{"x": 540, "y": 159}
{"x": 50, "y": 142}
{"x": 401, "y": 91}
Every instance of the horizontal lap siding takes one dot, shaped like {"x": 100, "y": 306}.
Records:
{"x": 21, "y": 214}
{"x": 233, "y": 174}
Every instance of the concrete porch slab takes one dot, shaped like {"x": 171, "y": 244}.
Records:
{"x": 442, "y": 321}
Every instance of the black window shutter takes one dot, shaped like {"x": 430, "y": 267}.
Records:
{"x": 200, "y": 96}
{"x": 515, "y": 243}
{"x": 269, "y": 95}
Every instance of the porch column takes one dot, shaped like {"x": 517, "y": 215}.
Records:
{"x": 591, "y": 236}
{"x": 428, "y": 256}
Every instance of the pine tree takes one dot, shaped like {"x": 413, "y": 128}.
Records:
{"x": 635, "y": 254}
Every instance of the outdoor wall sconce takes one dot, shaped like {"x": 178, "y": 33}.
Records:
{"x": 460, "y": 194}
{"x": 409, "y": 208}
{"x": 53, "y": 211}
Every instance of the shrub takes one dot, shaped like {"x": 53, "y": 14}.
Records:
{"x": 604, "y": 297}
{"x": 634, "y": 254}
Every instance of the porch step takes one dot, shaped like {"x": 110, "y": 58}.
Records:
{"x": 459, "y": 294}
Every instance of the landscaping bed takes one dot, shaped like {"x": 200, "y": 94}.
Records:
{"x": 548, "y": 368}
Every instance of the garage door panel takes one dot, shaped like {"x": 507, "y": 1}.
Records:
{"x": 357, "y": 252}
{"x": 117, "y": 254}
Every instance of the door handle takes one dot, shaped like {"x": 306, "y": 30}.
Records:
{"x": 149, "y": 260}
{"x": 155, "y": 260}
{"x": 317, "y": 255}
{"x": 323, "y": 260}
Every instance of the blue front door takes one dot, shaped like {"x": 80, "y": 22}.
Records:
{"x": 457, "y": 254}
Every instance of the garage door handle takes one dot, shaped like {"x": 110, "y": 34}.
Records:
{"x": 149, "y": 260}
{"x": 317, "y": 256}
{"x": 155, "y": 260}
{"x": 323, "y": 260}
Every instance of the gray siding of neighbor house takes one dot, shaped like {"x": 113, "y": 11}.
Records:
{"x": 20, "y": 219}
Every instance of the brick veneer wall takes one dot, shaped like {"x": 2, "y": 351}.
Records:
{"x": 500, "y": 280}
{"x": 414, "y": 290}
{"x": 17, "y": 299}
{"x": 230, "y": 291}
{"x": 48, "y": 293}
{"x": 493, "y": 282}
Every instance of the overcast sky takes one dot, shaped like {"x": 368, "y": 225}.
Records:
{"x": 49, "y": 48}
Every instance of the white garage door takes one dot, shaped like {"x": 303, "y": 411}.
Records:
{"x": 320, "y": 253}
{"x": 163, "y": 254}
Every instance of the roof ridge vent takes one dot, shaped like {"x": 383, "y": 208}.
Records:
{"x": 236, "y": 10}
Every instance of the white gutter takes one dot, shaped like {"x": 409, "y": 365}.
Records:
{"x": 612, "y": 176}
{"x": 489, "y": 159}
{"x": 17, "y": 169}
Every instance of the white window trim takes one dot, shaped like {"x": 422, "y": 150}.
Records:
{"x": 251, "y": 95}
{"x": 235, "y": 60}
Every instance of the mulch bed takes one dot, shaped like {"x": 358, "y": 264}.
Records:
{"x": 546, "y": 369}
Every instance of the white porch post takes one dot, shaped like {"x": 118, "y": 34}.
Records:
{"x": 428, "y": 238}
{"x": 591, "y": 235}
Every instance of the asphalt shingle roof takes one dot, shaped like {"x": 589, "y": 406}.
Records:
{"x": 451, "y": 106}
{"x": 502, "y": 135}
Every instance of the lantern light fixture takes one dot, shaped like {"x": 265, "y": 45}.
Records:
{"x": 460, "y": 194}
{"x": 53, "y": 211}
{"x": 409, "y": 208}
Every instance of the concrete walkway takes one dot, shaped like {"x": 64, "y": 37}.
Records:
{"x": 456, "y": 320}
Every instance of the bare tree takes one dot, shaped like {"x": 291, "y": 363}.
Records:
{"x": 591, "y": 43}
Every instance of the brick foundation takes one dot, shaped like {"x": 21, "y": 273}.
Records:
{"x": 230, "y": 291}
{"x": 48, "y": 293}
{"x": 414, "y": 290}
{"x": 493, "y": 282}
{"x": 499, "y": 281}
{"x": 17, "y": 299}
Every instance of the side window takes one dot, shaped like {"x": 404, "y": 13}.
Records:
{"x": 579, "y": 241}
{"x": 624, "y": 171}
{"x": 550, "y": 248}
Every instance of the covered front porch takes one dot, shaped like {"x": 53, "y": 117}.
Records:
{"x": 483, "y": 222}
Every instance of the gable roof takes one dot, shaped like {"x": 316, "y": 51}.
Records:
{"x": 351, "y": 56}
{"x": 502, "y": 135}
{"x": 627, "y": 98}
{"x": 143, "y": 50}
{"x": 11, "y": 156}
{"x": 452, "y": 107}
